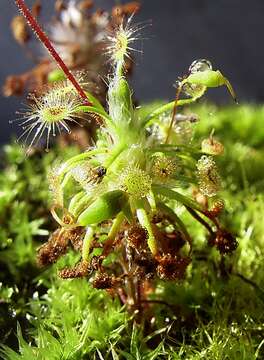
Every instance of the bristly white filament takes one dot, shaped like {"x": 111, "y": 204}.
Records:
{"x": 119, "y": 42}
{"x": 49, "y": 114}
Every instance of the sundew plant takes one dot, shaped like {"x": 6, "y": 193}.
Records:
{"x": 119, "y": 203}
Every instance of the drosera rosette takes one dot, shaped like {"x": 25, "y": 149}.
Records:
{"x": 50, "y": 114}
{"x": 127, "y": 186}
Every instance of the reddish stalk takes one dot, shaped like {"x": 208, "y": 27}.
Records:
{"x": 46, "y": 42}
{"x": 175, "y": 108}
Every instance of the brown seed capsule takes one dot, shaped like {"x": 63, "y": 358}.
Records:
{"x": 172, "y": 267}
{"x": 136, "y": 236}
{"x": 20, "y": 29}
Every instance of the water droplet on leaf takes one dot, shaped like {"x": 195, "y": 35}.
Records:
{"x": 200, "y": 65}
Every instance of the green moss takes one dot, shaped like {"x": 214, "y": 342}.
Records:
{"x": 215, "y": 313}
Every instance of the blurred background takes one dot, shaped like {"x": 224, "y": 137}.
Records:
{"x": 227, "y": 32}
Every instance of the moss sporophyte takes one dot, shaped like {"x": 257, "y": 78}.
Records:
{"x": 134, "y": 180}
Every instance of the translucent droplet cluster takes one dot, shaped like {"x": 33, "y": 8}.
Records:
{"x": 85, "y": 175}
{"x": 136, "y": 182}
{"x": 208, "y": 177}
{"x": 55, "y": 186}
{"x": 163, "y": 168}
{"x": 195, "y": 90}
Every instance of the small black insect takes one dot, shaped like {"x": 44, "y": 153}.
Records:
{"x": 100, "y": 171}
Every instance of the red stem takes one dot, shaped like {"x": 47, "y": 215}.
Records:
{"x": 46, "y": 42}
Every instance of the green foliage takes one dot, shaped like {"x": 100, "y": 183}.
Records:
{"x": 24, "y": 225}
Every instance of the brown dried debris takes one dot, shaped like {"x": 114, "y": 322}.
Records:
{"x": 57, "y": 245}
{"x": 36, "y": 8}
{"x": 86, "y": 4}
{"x": 32, "y": 80}
{"x": 81, "y": 270}
{"x": 224, "y": 241}
{"x": 119, "y": 11}
{"x": 146, "y": 263}
{"x": 104, "y": 281}
{"x": 76, "y": 237}
{"x": 52, "y": 250}
{"x": 59, "y": 5}
{"x": 172, "y": 267}
{"x": 172, "y": 242}
{"x": 136, "y": 236}
{"x": 20, "y": 30}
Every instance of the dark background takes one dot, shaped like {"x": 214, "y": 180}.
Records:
{"x": 227, "y": 32}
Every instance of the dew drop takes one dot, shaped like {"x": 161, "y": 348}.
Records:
{"x": 200, "y": 65}
{"x": 13, "y": 313}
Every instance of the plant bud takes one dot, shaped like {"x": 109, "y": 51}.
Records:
{"x": 217, "y": 208}
{"x": 212, "y": 146}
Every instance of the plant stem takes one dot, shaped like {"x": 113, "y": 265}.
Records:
{"x": 113, "y": 232}
{"x": 145, "y": 223}
{"x": 173, "y": 195}
{"x": 167, "y": 107}
{"x": 174, "y": 112}
{"x": 201, "y": 220}
{"x": 175, "y": 218}
{"x": 46, "y": 42}
{"x": 87, "y": 241}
